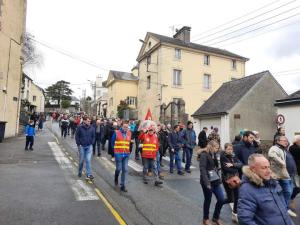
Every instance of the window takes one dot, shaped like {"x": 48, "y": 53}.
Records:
{"x": 177, "y": 53}
{"x": 149, "y": 44}
{"x": 148, "y": 82}
{"x": 34, "y": 98}
{"x": 233, "y": 64}
{"x": 28, "y": 83}
{"x": 131, "y": 100}
{"x": 27, "y": 94}
{"x": 111, "y": 101}
{"x": 206, "y": 59}
{"x": 177, "y": 77}
{"x": 149, "y": 60}
{"x": 207, "y": 81}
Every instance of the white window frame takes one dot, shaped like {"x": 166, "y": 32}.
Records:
{"x": 177, "y": 53}
{"x": 207, "y": 82}
{"x": 177, "y": 78}
{"x": 206, "y": 60}
{"x": 233, "y": 64}
{"x": 131, "y": 100}
{"x": 148, "y": 82}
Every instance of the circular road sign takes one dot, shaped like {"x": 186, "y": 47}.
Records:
{"x": 280, "y": 119}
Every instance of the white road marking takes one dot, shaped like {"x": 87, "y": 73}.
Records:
{"x": 82, "y": 191}
{"x": 167, "y": 158}
{"x": 137, "y": 167}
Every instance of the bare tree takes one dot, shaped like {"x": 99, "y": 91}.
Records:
{"x": 30, "y": 54}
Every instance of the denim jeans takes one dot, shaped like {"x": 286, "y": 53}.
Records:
{"x": 85, "y": 155}
{"x": 158, "y": 162}
{"x": 147, "y": 164}
{"x": 287, "y": 189}
{"x": 218, "y": 192}
{"x": 189, "y": 155}
{"x": 122, "y": 165}
{"x": 175, "y": 155}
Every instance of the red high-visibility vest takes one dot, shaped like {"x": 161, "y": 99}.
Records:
{"x": 150, "y": 146}
{"x": 122, "y": 144}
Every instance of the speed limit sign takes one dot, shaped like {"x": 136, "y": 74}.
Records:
{"x": 280, "y": 119}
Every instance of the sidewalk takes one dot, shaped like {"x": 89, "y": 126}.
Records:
{"x": 35, "y": 189}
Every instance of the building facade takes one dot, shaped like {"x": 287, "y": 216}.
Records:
{"x": 242, "y": 104}
{"x": 121, "y": 86}
{"x": 170, "y": 69}
{"x": 289, "y": 108}
{"x": 12, "y": 26}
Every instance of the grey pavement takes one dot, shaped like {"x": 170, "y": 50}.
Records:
{"x": 178, "y": 201}
{"x": 34, "y": 189}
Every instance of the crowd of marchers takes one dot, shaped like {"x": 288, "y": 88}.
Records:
{"x": 262, "y": 187}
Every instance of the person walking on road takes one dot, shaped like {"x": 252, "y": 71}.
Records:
{"x": 175, "y": 143}
{"x": 85, "y": 137}
{"x": 202, "y": 138}
{"x": 211, "y": 182}
{"x": 245, "y": 148}
{"x": 189, "y": 139}
{"x": 30, "y": 133}
{"x": 99, "y": 135}
{"x": 120, "y": 143}
{"x": 149, "y": 154}
{"x": 64, "y": 126}
{"x": 261, "y": 201}
{"x": 231, "y": 168}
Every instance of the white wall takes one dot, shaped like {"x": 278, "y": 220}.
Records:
{"x": 292, "y": 120}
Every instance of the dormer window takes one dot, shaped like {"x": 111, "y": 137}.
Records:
{"x": 149, "y": 44}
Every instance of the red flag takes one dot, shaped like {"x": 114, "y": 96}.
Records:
{"x": 148, "y": 115}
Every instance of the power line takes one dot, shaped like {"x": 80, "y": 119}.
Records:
{"x": 71, "y": 55}
{"x": 228, "y": 22}
{"x": 256, "y": 29}
{"x": 269, "y": 31}
{"x": 223, "y": 35}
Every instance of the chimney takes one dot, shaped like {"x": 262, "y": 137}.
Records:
{"x": 184, "y": 34}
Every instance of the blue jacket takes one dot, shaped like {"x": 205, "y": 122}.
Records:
{"x": 85, "y": 135}
{"x": 243, "y": 150}
{"x": 189, "y": 138}
{"x": 29, "y": 130}
{"x": 113, "y": 140}
{"x": 261, "y": 202}
{"x": 175, "y": 140}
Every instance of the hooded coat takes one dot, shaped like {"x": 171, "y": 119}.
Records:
{"x": 261, "y": 202}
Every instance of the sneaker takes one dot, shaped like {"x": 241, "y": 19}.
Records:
{"x": 234, "y": 218}
{"x": 91, "y": 177}
{"x": 171, "y": 171}
{"x": 161, "y": 177}
{"x": 99, "y": 155}
{"x": 145, "y": 181}
{"x": 116, "y": 180}
{"x": 291, "y": 213}
{"x": 292, "y": 205}
{"x": 158, "y": 182}
{"x": 162, "y": 165}
{"x": 149, "y": 174}
{"x": 113, "y": 159}
{"x": 31, "y": 149}
{"x": 217, "y": 221}
{"x": 180, "y": 173}
{"x": 79, "y": 174}
{"x": 26, "y": 149}
{"x": 123, "y": 188}
{"x": 188, "y": 171}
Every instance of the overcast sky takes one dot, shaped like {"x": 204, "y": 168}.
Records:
{"x": 107, "y": 33}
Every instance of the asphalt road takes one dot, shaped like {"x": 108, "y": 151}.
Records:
{"x": 41, "y": 187}
{"x": 178, "y": 201}
{"x": 35, "y": 189}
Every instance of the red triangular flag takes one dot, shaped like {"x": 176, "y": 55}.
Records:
{"x": 148, "y": 115}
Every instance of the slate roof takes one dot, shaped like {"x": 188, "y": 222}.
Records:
{"x": 73, "y": 98}
{"x": 199, "y": 47}
{"x": 228, "y": 95}
{"x": 292, "y": 99}
{"x": 118, "y": 75}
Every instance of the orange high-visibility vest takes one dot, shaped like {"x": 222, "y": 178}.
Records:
{"x": 150, "y": 146}
{"x": 122, "y": 144}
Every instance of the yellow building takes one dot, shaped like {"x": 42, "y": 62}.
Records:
{"x": 175, "y": 68}
{"x": 12, "y": 25}
{"x": 121, "y": 86}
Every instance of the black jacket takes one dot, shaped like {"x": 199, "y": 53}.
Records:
{"x": 295, "y": 152}
{"x": 175, "y": 140}
{"x": 228, "y": 172}
{"x": 207, "y": 163}
{"x": 202, "y": 139}
{"x": 243, "y": 150}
